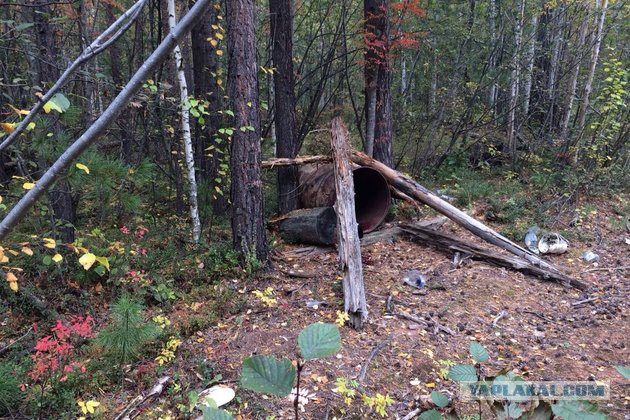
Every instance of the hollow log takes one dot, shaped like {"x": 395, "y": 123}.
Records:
{"x": 348, "y": 246}
{"x": 447, "y": 243}
{"x": 314, "y": 226}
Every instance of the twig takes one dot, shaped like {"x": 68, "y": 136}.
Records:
{"x": 157, "y": 389}
{"x": 627, "y": 267}
{"x": 6, "y": 348}
{"x": 438, "y": 327}
{"x": 501, "y": 315}
{"x": 544, "y": 318}
{"x": 305, "y": 275}
{"x": 412, "y": 414}
{"x": 580, "y": 302}
{"x": 380, "y": 346}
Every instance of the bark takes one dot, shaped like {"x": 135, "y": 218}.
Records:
{"x": 588, "y": 85}
{"x": 101, "y": 125}
{"x": 185, "y": 113}
{"x": 531, "y": 50}
{"x": 568, "y": 102}
{"x": 208, "y": 152}
{"x": 315, "y": 226}
{"x": 248, "y": 224}
{"x": 349, "y": 246}
{"x": 281, "y": 12}
{"x": 515, "y": 81}
{"x": 371, "y": 13}
{"x": 383, "y": 122}
{"x": 492, "y": 96}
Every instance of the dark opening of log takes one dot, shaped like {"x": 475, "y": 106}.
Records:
{"x": 372, "y": 196}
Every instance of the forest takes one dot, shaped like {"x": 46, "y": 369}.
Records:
{"x": 317, "y": 209}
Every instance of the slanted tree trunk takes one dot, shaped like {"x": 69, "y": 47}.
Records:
{"x": 185, "y": 112}
{"x": 206, "y": 76}
{"x": 281, "y": 12}
{"x": 515, "y": 80}
{"x": 248, "y": 224}
{"x": 588, "y": 85}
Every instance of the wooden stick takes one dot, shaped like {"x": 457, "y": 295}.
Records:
{"x": 380, "y": 346}
{"x": 348, "y": 245}
{"x": 627, "y": 267}
{"x": 298, "y": 160}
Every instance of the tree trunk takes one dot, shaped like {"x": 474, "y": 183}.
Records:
{"x": 206, "y": 74}
{"x": 492, "y": 95}
{"x": 185, "y": 113}
{"x": 515, "y": 81}
{"x": 281, "y": 12}
{"x": 531, "y": 50}
{"x": 383, "y": 123}
{"x": 248, "y": 224}
{"x": 348, "y": 246}
{"x": 588, "y": 85}
{"x": 568, "y": 102}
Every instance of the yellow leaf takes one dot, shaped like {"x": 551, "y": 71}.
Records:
{"x": 219, "y": 35}
{"x": 0, "y": 199}
{"x": 30, "y": 126}
{"x": 87, "y": 260}
{"x": 28, "y": 251}
{"x": 50, "y": 106}
{"x": 57, "y": 258}
{"x": 18, "y": 111}
{"x": 213, "y": 42}
{"x": 103, "y": 261}
{"x": 11, "y": 277}
{"x": 219, "y": 52}
{"x": 8, "y": 127}
{"x": 13, "y": 285}
{"x": 83, "y": 168}
{"x": 49, "y": 243}
{"x": 28, "y": 185}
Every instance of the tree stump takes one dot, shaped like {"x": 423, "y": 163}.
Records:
{"x": 314, "y": 226}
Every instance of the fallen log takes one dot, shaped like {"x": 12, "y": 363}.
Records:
{"x": 411, "y": 188}
{"x": 298, "y": 160}
{"x": 389, "y": 234}
{"x": 447, "y": 243}
{"x": 310, "y": 226}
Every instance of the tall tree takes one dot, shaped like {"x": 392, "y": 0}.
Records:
{"x": 588, "y": 85}
{"x": 208, "y": 80}
{"x": 383, "y": 124}
{"x": 248, "y": 225}
{"x": 185, "y": 114}
{"x": 281, "y": 12}
{"x": 515, "y": 80}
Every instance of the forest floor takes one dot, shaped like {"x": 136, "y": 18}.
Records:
{"x": 545, "y": 335}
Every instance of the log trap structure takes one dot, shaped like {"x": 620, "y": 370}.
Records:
{"x": 349, "y": 194}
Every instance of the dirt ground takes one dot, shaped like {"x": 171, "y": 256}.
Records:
{"x": 544, "y": 336}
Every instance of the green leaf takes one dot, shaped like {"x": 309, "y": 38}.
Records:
{"x": 58, "y": 102}
{"x": 47, "y": 260}
{"x": 268, "y": 375}
{"x": 512, "y": 411}
{"x": 319, "y": 340}
{"x": 210, "y": 413}
{"x": 624, "y": 370}
{"x": 439, "y": 399}
{"x": 478, "y": 352}
{"x": 430, "y": 415}
{"x": 578, "y": 410}
{"x": 463, "y": 373}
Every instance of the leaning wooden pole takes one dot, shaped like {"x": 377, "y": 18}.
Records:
{"x": 349, "y": 246}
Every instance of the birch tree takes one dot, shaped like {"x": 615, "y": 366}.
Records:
{"x": 185, "y": 113}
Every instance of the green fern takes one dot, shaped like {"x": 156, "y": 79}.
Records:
{"x": 128, "y": 332}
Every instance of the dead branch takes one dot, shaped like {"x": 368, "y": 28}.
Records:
{"x": 298, "y": 160}
{"x": 380, "y": 346}
{"x": 499, "y": 317}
